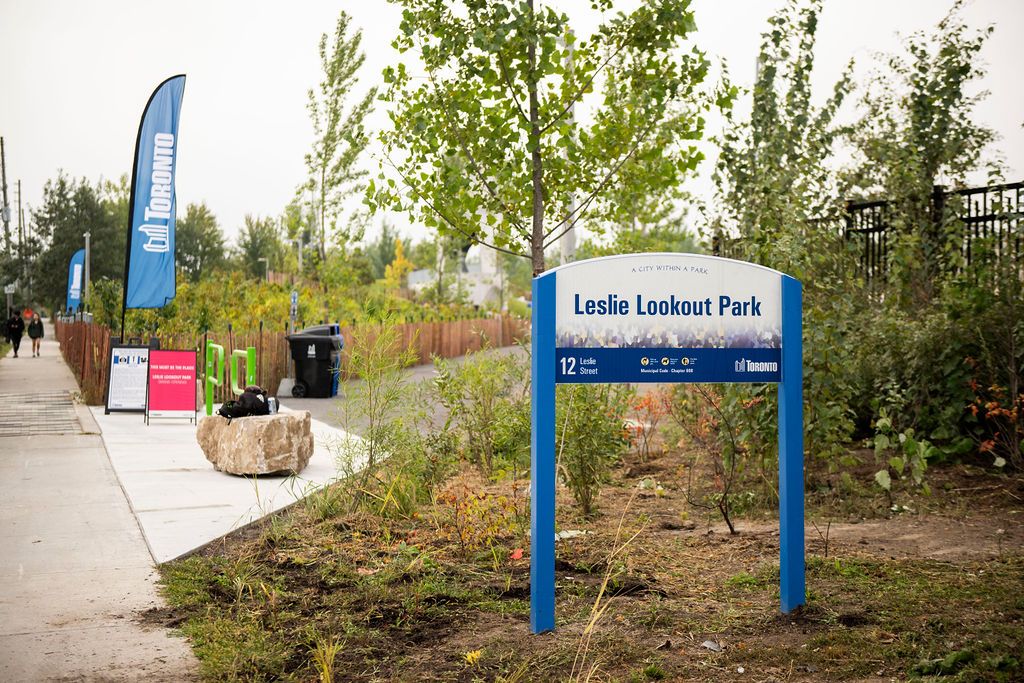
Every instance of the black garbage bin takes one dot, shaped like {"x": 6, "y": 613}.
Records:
{"x": 317, "y": 354}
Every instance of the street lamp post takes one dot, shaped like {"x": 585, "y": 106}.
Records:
{"x": 298, "y": 247}
{"x": 88, "y": 254}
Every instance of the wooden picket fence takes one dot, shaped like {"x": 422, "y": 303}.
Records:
{"x": 86, "y": 348}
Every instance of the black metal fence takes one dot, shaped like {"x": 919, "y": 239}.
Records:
{"x": 866, "y": 224}
{"x": 992, "y": 214}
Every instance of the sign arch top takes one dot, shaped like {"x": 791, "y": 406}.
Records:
{"x": 657, "y": 254}
{"x": 664, "y": 317}
{"x": 667, "y": 317}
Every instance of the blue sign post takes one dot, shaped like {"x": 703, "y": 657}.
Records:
{"x": 665, "y": 318}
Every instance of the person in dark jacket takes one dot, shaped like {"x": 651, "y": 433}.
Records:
{"x": 15, "y": 328}
{"x": 35, "y": 333}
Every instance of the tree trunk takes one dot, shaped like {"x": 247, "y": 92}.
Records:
{"x": 537, "y": 236}
{"x": 323, "y": 215}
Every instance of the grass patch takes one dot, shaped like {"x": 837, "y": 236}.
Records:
{"x": 321, "y": 592}
{"x": 871, "y": 617}
{"x": 238, "y": 647}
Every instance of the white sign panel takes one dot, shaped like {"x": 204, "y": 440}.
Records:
{"x": 126, "y": 386}
{"x": 667, "y": 317}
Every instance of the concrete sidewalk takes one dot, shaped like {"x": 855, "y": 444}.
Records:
{"x": 74, "y": 568}
{"x": 180, "y": 501}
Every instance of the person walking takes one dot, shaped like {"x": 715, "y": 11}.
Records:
{"x": 35, "y": 333}
{"x": 15, "y": 328}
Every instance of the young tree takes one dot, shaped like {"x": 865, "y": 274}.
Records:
{"x": 199, "y": 242}
{"x": 773, "y": 180}
{"x": 484, "y": 146}
{"x": 259, "y": 239}
{"x": 70, "y": 208}
{"x": 772, "y": 174}
{"x": 381, "y": 251}
{"x": 918, "y": 132}
{"x": 340, "y": 135}
{"x": 396, "y": 273}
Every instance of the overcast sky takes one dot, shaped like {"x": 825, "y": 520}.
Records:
{"x": 75, "y": 75}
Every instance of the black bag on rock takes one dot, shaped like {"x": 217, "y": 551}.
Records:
{"x": 231, "y": 410}
{"x": 253, "y": 401}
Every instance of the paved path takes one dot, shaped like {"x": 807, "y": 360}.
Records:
{"x": 330, "y": 410}
{"x": 180, "y": 501}
{"x": 74, "y": 568}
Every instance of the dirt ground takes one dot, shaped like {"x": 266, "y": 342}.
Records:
{"x": 654, "y": 588}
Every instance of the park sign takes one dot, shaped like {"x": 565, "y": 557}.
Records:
{"x": 664, "y": 318}
{"x": 667, "y": 318}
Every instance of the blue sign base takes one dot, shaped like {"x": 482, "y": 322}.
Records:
{"x": 585, "y": 366}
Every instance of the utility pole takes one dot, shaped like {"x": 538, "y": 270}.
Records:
{"x": 88, "y": 258}
{"x": 567, "y": 242}
{"x": 5, "y": 208}
{"x": 31, "y": 247}
{"x": 21, "y": 234}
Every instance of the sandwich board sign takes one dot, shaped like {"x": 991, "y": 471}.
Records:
{"x": 126, "y": 379}
{"x": 664, "y": 318}
{"x": 171, "y": 385}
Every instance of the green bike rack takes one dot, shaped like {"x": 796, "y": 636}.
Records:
{"x": 214, "y": 372}
{"x": 249, "y": 356}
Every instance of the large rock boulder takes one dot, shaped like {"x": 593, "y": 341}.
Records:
{"x": 264, "y": 444}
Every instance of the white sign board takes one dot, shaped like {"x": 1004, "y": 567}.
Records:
{"x": 126, "y": 384}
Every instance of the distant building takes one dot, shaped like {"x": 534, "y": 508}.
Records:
{"x": 477, "y": 277}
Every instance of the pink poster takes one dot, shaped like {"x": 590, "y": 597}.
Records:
{"x": 172, "y": 384}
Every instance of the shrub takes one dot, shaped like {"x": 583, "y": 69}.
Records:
{"x": 488, "y": 409}
{"x": 951, "y": 370}
{"x": 912, "y": 366}
{"x": 988, "y": 305}
{"x": 700, "y": 411}
{"x": 476, "y": 520}
{"x": 648, "y": 411}
{"x": 908, "y": 456}
{"x": 590, "y": 435}
{"x": 372, "y": 406}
